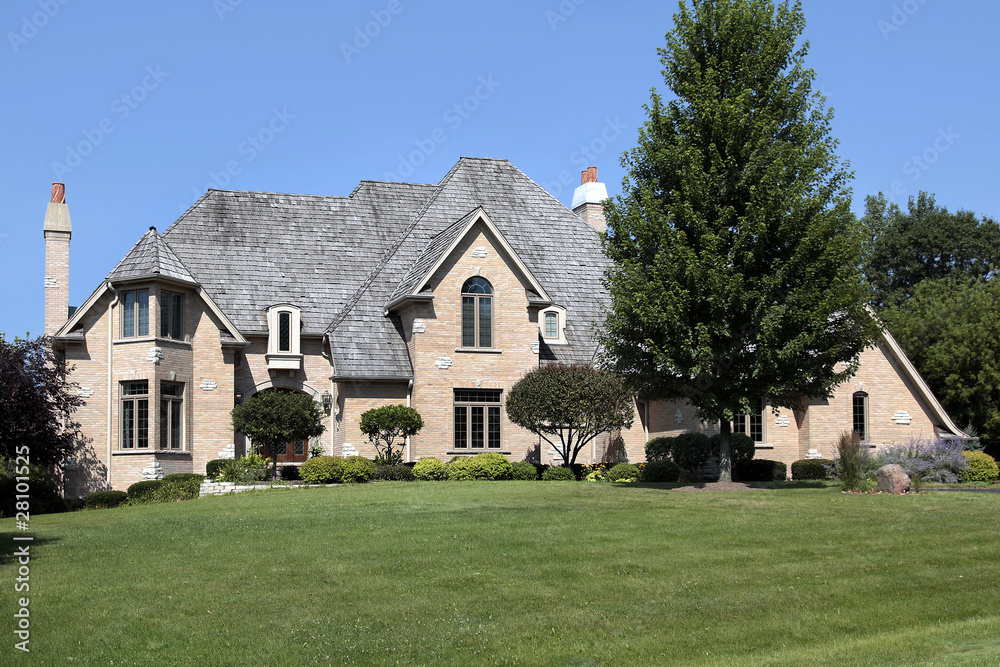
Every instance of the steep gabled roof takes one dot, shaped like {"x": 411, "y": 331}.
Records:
{"x": 151, "y": 257}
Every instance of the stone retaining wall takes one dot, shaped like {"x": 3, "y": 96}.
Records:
{"x": 222, "y": 488}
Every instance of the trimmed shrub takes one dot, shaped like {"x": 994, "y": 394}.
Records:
{"x": 490, "y": 466}
{"x": 659, "y": 449}
{"x": 358, "y": 470}
{"x": 170, "y": 492}
{"x": 558, "y": 474}
{"x": 623, "y": 472}
{"x": 246, "y": 470}
{"x": 430, "y": 469}
{"x": 322, "y": 470}
{"x": 139, "y": 489}
{"x": 183, "y": 477}
{"x": 458, "y": 469}
{"x": 394, "y": 473}
{"x": 762, "y": 470}
{"x": 982, "y": 467}
{"x": 524, "y": 470}
{"x": 214, "y": 467}
{"x": 691, "y": 451}
{"x": 104, "y": 499}
{"x": 660, "y": 471}
{"x": 810, "y": 469}
{"x": 289, "y": 473}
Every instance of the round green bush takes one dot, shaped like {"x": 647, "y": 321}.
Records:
{"x": 394, "y": 473}
{"x": 490, "y": 466}
{"x": 623, "y": 472}
{"x": 458, "y": 469}
{"x": 558, "y": 474}
{"x": 104, "y": 499}
{"x": 524, "y": 470}
{"x": 810, "y": 469}
{"x": 761, "y": 470}
{"x": 659, "y": 449}
{"x": 139, "y": 489}
{"x": 691, "y": 450}
{"x": 430, "y": 469}
{"x": 660, "y": 471}
{"x": 183, "y": 477}
{"x": 322, "y": 470}
{"x": 214, "y": 467}
{"x": 358, "y": 469}
{"x": 982, "y": 467}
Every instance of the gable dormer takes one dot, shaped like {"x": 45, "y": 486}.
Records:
{"x": 284, "y": 337}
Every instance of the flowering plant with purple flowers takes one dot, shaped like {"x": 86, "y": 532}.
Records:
{"x": 937, "y": 460}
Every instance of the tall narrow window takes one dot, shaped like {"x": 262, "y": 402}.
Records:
{"x": 477, "y": 419}
{"x": 135, "y": 313}
{"x": 171, "y": 415}
{"x": 284, "y": 332}
{"x": 860, "y": 410}
{"x": 171, "y": 315}
{"x": 477, "y": 313}
{"x": 751, "y": 424}
{"x": 551, "y": 325}
{"x": 135, "y": 415}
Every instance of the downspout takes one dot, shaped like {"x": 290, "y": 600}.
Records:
{"x": 333, "y": 390}
{"x": 409, "y": 393}
{"x": 111, "y": 319}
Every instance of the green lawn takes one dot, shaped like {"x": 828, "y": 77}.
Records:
{"x": 555, "y": 573}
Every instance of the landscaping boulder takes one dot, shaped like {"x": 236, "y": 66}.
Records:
{"x": 892, "y": 479}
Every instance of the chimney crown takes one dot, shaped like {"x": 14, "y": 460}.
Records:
{"x": 57, "y": 213}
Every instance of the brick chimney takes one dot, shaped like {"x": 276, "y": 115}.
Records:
{"x": 587, "y": 200}
{"x": 57, "y": 234}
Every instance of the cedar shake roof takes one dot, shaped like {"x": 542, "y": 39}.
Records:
{"x": 341, "y": 259}
{"x": 150, "y": 257}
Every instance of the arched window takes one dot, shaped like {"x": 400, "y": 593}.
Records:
{"x": 860, "y": 410}
{"x": 477, "y": 313}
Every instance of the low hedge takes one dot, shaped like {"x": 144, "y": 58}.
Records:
{"x": 183, "y": 477}
{"x": 322, "y": 470}
{"x": 761, "y": 470}
{"x": 524, "y": 470}
{"x": 430, "y": 469}
{"x": 139, "y": 489}
{"x": 214, "y": 467}
{"x": 394, "y": 473}
{"x": 104, "y": 499}
{"x": 358, "y": 470}
{"x": 558, "y": 474}
{"x": 810, "y": 469}
{"x": 623, "y": 472}
{"x": 660, "y": 471}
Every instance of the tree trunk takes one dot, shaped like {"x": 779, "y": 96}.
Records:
{"x": 725, "y": 452}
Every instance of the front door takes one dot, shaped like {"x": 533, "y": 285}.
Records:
{"x": 295, "y": 452}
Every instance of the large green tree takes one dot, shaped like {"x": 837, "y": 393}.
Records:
{"x": 568, "y": 405}
{"x": 736, "y": 256}
{"x": 273, "y": 418}
{"x": 924, "y": 243}
{"x": 950, "y": 330}
{"x": 36, "y": 402}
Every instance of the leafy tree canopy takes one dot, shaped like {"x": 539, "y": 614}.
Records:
{"x": 570, "y": 405}
{"x": 736, "y": 257}
{"x": 36, "y": 402}
{"x": 385, "y": 424}
{"x": 277, "y": 417}
{"x": 924, "y": 243}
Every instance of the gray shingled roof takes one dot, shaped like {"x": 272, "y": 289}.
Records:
{"x": 340, "y": 259}
{"x": 151, "y": 256}
{"x": 430, "y": 255}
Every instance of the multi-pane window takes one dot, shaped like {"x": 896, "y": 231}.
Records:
{"x": 751, "y": 424}
{"x": 171, "y": 315}
{"x": 551, "y": 325}
{"x": 860, "y": 410}
{"x": 477, "y": 419}
{"x": 477, "y": 313}
{"x": 284, "y": 331}
{"x": 171, "y": 415}
{"x": 135, "y": 415}
{"x": 135, "y": 313}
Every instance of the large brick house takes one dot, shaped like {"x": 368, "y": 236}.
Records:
{"x": 436, "y": 296}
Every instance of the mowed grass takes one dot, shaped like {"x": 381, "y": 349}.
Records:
{"x": 554, "y": 573}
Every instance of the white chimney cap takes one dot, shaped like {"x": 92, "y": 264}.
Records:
{"x": 589, "y": 193}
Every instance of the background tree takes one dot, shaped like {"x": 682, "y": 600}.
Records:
{"x": 570, "y": 405}
{"x": 924, "y": 243}
{"x": 736, "y": 256}
{"x": 273, "y": 418}
{"x": 383, "y": 425}
{"x": 950, "y": 329}
{"x": 36, "y": 402}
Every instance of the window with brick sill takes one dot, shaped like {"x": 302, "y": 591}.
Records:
{"x": 478, "y": 423}
{"x": 136, "y": 417}
{"x": 477, "y": 313}
{"x": 135, "y": 313}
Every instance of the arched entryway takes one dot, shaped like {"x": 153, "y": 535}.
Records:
{"x": 295, "y": 451}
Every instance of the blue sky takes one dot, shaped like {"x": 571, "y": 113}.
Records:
{"x": 140, "y": 107}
